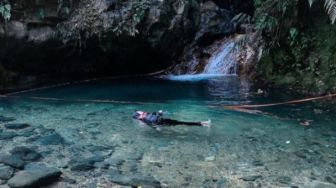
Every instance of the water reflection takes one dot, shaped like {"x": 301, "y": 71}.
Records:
{"x": 217, "y": 89}
{"x": 228, "y": 90}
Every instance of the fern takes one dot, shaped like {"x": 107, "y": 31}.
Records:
{"x": 330, "y": 6}
{"x": 311, "y": 2}
{"x": 5, "y": 11}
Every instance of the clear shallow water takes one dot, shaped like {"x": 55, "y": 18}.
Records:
{"x": 275, "y": 148}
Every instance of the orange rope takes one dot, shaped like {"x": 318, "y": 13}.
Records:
{"x": 85, "y": 81}
{"x": 77, "y": 100}
{"x": 240, "y": 107}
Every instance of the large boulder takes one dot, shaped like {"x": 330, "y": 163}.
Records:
{"x": 35, "y": 175}
{"x": 6, "y": 172}
{"x": 13, "y": 161}
{"x": 19, "y": 156}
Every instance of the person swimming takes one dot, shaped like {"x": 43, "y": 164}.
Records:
{"x": 156, "y": 118}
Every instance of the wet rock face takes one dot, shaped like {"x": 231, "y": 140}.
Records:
{"x": 110, "y": 36}
{"x": 41, "y": 34}
{"x": 16, "y": 29}
{"x": 214, "y": 23}
{"x": 224, "y": 56}
{"x": 246, "y": 6}
{"x": 220, "y": 25}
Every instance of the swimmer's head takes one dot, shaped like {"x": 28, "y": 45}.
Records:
{"x": 138, "y": 114}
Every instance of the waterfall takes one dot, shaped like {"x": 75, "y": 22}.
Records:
{"x": 223, "y": 61}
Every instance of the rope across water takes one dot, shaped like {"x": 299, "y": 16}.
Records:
{"x": 248, "y": 108}
{"x": 243, "y": 108}
{"x": 77, "y": 100}
{"x": 15, "y": 94}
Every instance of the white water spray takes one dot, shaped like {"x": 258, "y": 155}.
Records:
{"x": 223, "y": 61}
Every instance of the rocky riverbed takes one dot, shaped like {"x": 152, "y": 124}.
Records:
{"x": 61, "y": 144}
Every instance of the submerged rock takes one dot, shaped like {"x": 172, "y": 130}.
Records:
{"x": 319, "y": 184}
{"x": 330, "y": 180}
{"x": 4, "y": 119}
{"x": 284, "y": 180}
{"x": 6, "y": 172}
{"x": 84, "y": 164}
{"x": 102, "y": 165}
{"x": 34, "y": 175}
{"x": 17, "y": 125}
{"x": 53, "y": 139}
{"x": 25, "y": 153}
{"x": 257, "y": 163}
{"x": 302, "y": 154}
{"x": 115, "y": 162}
{"x": 27, "y": 132}
{"x": 6, "y": 135}
{"x": 19, "y": 156}
{"x": 136, "y": 181}
{"x": 13, "y": 161}
{"x": 251, "y": 178}
{"x": 221, "y": 182}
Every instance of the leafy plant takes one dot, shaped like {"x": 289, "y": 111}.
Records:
{"x": 293, "y": 36}
{"x": 5, "y": 11}
{"x": 40, "y": 13}
{"x": 330, "y": 6}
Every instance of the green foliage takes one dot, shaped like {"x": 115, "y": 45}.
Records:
{"x": 138, "y": 13}
{"x": 305, "y": 58}
{"x": 89, "y": 20}
{"x": 270, "y": 16}
{"x": 266, "y": 23}
{"x": 5, "y": 10}
{"x": 293, "y": 36}
{"x": 258, "y": 3}
{"x": 330, "y": 6}
{"x": 40, "y": 13}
